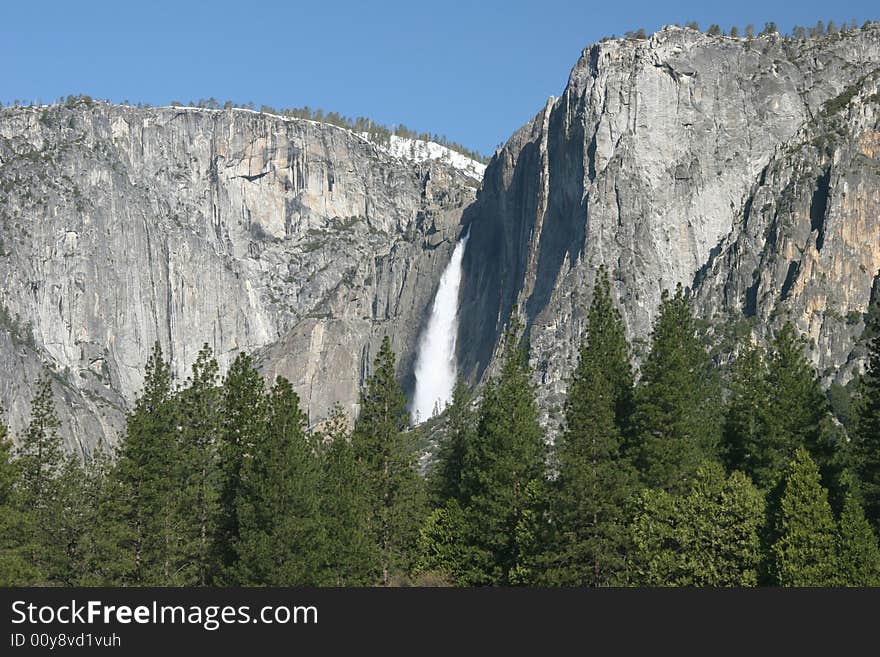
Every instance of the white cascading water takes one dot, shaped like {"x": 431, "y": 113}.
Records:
{"x": 435, "y": 364}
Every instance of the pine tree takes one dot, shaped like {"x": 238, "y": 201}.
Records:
{"x": 278, "y": 506}
{"x": 798, "y": 408}
{"x": 15, "y": 521}
{"x": 803, "y": 549}
{"x": 677, "y": 415}
{"x": 442, "y": 549}
{"x": 197, "y": 471}
{"x": 866, "y": 436}
{"x": 351, "y": 557}
{"x": 608, "y": 346}
{"x": 56, "y": 493}
{"x": 458, "y": 432}
{"x": 40, "y": 454}
{"x": 140, "y": 508}
{"x": 244, "y": 417}
{"x": 502, "y": 463}
{"x": 708, "y": 536}
{"x": 858, "y": 554}
{"x": 40, "y": 459}
{"x": 594, "y": 481}
{"x": 748, "y": 417}
{"x": 388, "y": 453}
{"x": 76, "y": 509}
{"x": 106, "y": 559}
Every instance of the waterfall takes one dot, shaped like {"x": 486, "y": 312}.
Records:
{"x": 435, "y": 364}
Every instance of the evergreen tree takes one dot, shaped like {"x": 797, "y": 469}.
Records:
{"x": 140, "y": 508}
{"x": 244, "y": 417}
{"x": 442, "y": 549}
{"x": 198, "y": 474}
{"x": 278, "y": 506}
{"x": 40, "y": 459}
{"x": 504, "y": 461}
{"x": 351, "y": 557}
{"x": 105, "y": 558}
{"x": 388, "y": 453}
{"x": 76, "y": 509}
{"x": 677, "y": 416}
{"x": 54, "y": 492}
{"x": 594, "y": 481}
{"x": 15, "y": 522}
{"x": 40, "y": 454}
{"x": 708, "y": 536}
{"x": 531, "y": 535}
{"x": 866, "y": 438}
{"x": 798, "y": 409}
{"x": 858, "y": 555}
{"x": 607, "y": 346}
{"x": 748, "y": 415}
{"x": 458, "y": 432}
{"x": 803, "y": 549}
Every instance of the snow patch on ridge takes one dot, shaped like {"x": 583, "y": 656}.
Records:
{"x": 423, "y": 151}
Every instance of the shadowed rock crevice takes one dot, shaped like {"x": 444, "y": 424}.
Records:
{"x": 819, "y": 207}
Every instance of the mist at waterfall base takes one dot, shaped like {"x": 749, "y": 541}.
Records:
{"x": 435, "y": 365}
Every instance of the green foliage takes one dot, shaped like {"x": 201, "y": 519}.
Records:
{"x": 442, "y": 547}
{"x": 595, "y": 480}
{"x": 803, "y": 551}
{"x": 197, "y": 499}
{"x": 388, "y": 453}
{"x": 81, "y": 100}
{"x": 748, "y": 415}
{"x": 677, "y": 418}
{"x": 800, "y": 410}
{"x": 16, "y": 568}
{"x": 244, "y": 422}
{"x": 707, "y": 536}
{"x": 840, "y": 399}
{"x": 74, "y": 535}
{"x": 141, "y": 510}
{"x": 222, "y": 483}
{"x": 841, "y": 100}
{"x": 21, "y": 331}
{"x": 281, "y": 538}
{"x": 504, "y": 458}
{"x": 866, "y": 434}
{"x": 608, "y": 349}
{"x": 775, "y": 406}
{"x": 858, "y": 555}
{"x": 40, "y": 460}
{"x": 458, "y": 432}
{"x": 351, "y": 557}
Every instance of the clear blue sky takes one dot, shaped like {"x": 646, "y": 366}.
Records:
{"x": 474, "y": 71}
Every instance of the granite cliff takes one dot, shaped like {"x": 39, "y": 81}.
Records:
{"x": 745, "y": 169}
{"x": 302, "y": 242}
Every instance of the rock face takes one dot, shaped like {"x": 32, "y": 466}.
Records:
{"x": 121, "y": 226}
{"x": 744, "y": 168}
{"x": 806, "y": 247}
